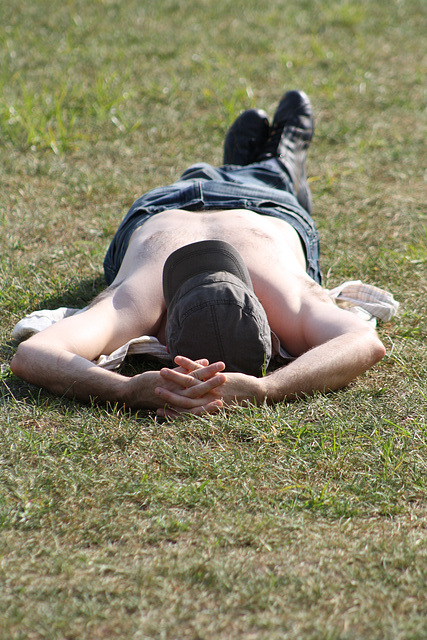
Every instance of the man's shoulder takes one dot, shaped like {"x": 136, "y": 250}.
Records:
{"x": 313, "y": 292}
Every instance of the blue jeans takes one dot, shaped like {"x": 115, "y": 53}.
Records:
{"x": 264, "y": 187}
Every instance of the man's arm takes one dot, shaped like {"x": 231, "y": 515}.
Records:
{"x": 327, "y": 367}
{"x": 66, "y": 374}
{"x": 59, "y": 359}
{"x": 340, "y": 347}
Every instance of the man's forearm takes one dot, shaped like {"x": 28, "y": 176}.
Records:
{"x": 327, "y": 367}
{"x": 67, "y": 374}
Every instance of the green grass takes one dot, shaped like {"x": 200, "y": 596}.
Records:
{"x": 305, "y": 520}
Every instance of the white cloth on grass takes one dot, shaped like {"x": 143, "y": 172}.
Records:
{"x": 369, "y": 302}
{"x": 376, "y": 302}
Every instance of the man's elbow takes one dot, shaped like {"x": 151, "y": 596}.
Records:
{"x": 21, "y": 361}
{"x": 377, "y": 348}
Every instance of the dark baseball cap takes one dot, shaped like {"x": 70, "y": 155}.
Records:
{"x": 213, "y": 311}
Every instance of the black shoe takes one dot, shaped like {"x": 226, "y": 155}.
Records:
{"x": 246, "y": 137}
{"x": 289, "y": 139}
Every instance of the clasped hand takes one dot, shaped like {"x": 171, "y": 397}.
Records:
{"x": 192, "y": 387}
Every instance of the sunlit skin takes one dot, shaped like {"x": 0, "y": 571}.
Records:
{"x": 332, "y": 346}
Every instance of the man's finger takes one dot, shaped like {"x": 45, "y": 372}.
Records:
{"x": 190, "y": 379}
{"x": 196, "y": 367}
{"x": 176, "y": 412}
{"x": 211, "y": 407}
{"x": 197, "y": 390}
{"x": 175, "y": 399}
{"x": 183, "y": 380}
{"x": 190, "y": 365}
{"x": 201, "y": 389}
{"x": 189, "y": 398}
{"x": 208, "y": 372}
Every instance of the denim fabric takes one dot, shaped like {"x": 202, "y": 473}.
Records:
{"x": 264, "y": 187}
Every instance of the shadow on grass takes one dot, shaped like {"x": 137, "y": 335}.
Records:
{"x": 78, "y": 294}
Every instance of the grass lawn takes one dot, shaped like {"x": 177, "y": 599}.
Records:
{"x": 304, "y": 520}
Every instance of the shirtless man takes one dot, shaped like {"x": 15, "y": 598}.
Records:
{"x": 201, "y": 304}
